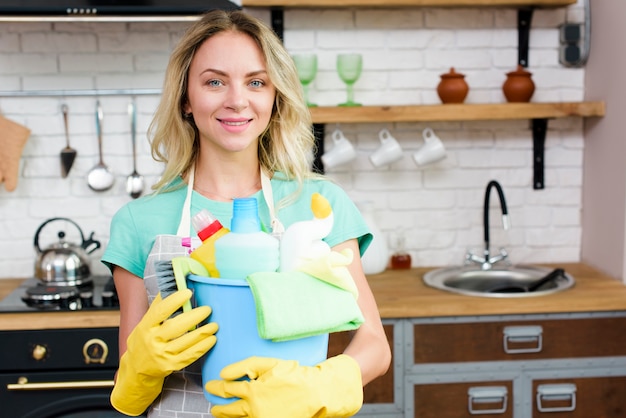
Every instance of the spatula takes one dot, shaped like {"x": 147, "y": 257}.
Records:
{"x": 68, "y": 154}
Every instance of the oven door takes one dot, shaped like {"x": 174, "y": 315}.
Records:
{"x": 73, "y": 394}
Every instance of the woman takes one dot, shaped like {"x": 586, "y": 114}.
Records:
{"x": 232, "y": 123}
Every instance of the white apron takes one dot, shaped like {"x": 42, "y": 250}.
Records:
{"x": 183, "y": 395}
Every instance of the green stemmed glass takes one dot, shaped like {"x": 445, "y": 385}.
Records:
{"x": 306, "y": 64}
{"x": 349, "y": 68}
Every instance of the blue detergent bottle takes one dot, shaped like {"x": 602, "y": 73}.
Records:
{"x": 246, "y": 249}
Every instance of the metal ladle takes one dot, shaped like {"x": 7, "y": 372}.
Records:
{"x": 134, "y": 181}
{"x": 100, "y": 178}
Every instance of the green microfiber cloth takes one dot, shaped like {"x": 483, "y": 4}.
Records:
{"x": 291, "y": 305}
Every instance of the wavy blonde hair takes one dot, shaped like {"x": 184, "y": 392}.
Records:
{"x": 287, "y": 143}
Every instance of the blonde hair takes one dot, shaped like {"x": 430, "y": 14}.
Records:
{"x": 287, "y": 143}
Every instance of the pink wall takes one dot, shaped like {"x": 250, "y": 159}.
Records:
{"x": 604, "y": 166}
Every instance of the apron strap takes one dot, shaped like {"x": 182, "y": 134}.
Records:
{"x": 277, "y": 227}
{"x": 185, "y": 220}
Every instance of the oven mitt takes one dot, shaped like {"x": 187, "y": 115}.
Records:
{"x": 157, "y": 347}
{"x": 284, "y": 389}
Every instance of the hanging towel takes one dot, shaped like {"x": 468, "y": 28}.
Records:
{"x": 291, "y": 305}
{"x": 13, "y": 137}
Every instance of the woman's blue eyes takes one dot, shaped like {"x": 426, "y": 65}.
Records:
{"x": 219, "y": 83}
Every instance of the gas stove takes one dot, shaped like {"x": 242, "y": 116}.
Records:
{"x": 34, "y": 295}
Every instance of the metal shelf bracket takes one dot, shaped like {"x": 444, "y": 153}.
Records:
{"x": 539, "y": 127}
{"x": 524, "y": 18}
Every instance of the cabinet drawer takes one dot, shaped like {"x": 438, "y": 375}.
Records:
{"x": 519, "y": 340}
{"x": 580, "y": 397}
{"x": 380, "y": 390}
{"x": 464, "y": 400}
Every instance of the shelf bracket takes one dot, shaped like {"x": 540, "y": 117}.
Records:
{"x": 318, "y": 132}
{"x": 539, "y": 126}
{"x": 524, "y": 17}
{"x": 278, "y": 21}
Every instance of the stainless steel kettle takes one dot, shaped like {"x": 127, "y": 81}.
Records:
{"x": 64, "y": 263}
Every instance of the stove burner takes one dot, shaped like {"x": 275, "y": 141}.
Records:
{"x": 98, "y": 293}
{"x": 53, "y": 297}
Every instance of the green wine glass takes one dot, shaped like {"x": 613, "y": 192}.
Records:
{"x": 349, "y": 68}
{"x": 306, "y": 64}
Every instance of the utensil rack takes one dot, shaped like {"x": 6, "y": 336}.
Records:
{"x": 95, "y": 93}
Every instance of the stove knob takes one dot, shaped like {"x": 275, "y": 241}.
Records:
{"x": 86, "y": 299}
{"x": 39, "y": 352}
{"x": 109, "y": 299}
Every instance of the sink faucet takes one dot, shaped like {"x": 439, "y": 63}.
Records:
{"x": 487, "y": 260}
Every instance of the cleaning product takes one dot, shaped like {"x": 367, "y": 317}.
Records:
{"x": 209, "y": 229}
{"x": 304, "y": 239}
{"x": 172, "y": 275}
{"x": 246, "y": 249}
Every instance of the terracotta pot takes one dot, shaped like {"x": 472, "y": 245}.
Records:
{"x": 452, "y": 88}
{"x": 519, "y": 86}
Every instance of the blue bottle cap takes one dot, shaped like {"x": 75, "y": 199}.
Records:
{"x": 245, "y": 215}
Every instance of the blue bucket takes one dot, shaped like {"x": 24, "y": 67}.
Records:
{"x": 234, "y": 311}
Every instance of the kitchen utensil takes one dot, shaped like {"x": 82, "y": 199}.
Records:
{"x": 64, "y": 263}
{"x": 134, "y": 182}
{"x": 68, "y": 154}
{"x": 100, "y": 178}
{"x": 518, "y": 288}
{"x": 13, "y": 137}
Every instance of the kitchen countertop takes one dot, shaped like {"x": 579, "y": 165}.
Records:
{"x": 399, "y": 294}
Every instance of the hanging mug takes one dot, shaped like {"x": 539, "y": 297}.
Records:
{"x": 342, "y": 151}
{"x": 388, "y": 151}
{"x": 432, "y": 150}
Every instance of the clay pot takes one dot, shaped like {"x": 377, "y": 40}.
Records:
{"x": 518, "y": 87}
{"x": 452, "y": 88}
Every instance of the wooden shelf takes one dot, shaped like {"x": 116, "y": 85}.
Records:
{"x": 408, "y": 3}
{"x": 455, "y": 112}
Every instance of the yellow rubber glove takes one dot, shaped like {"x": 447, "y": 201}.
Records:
{"x": 157, "y": 347}
{"x": 284, "y": 389}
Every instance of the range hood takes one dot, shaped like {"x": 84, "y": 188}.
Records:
{"x": 104, "y": 8}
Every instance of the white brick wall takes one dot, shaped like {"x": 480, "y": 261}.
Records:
{"x": 405, "y": 51}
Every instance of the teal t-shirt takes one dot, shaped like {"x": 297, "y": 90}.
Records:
{"x": 135, "y": 226}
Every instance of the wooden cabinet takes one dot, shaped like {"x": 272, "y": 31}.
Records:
{"x": 519, "y": 340}
{"x": 598, "y": 397}
{"x": 517, "y": 366}
{"x": 463, "y": 400}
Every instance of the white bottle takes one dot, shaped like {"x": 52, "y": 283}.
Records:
{"x": 376, "y": 256}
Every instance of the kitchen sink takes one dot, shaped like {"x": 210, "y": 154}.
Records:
{"x": 507, "y": 281}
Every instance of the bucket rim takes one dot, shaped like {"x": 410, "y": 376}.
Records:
{"x": 218, "y": 280}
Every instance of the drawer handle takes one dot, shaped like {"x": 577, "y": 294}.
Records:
{"x": 556, "y": 392}
{"x": 523, "y": 335}
{"x": 23, "y": 384}
{"x": 487, "y": 395}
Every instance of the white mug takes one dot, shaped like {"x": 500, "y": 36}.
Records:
{"x": 342, "y": 151}
{"x": 432, "y": 150}
{"x": 388, "y": 151}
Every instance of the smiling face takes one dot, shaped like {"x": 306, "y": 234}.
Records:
{"x": 229, "y": 93}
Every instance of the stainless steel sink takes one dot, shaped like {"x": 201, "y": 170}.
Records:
{"x": 471, "y": 280}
